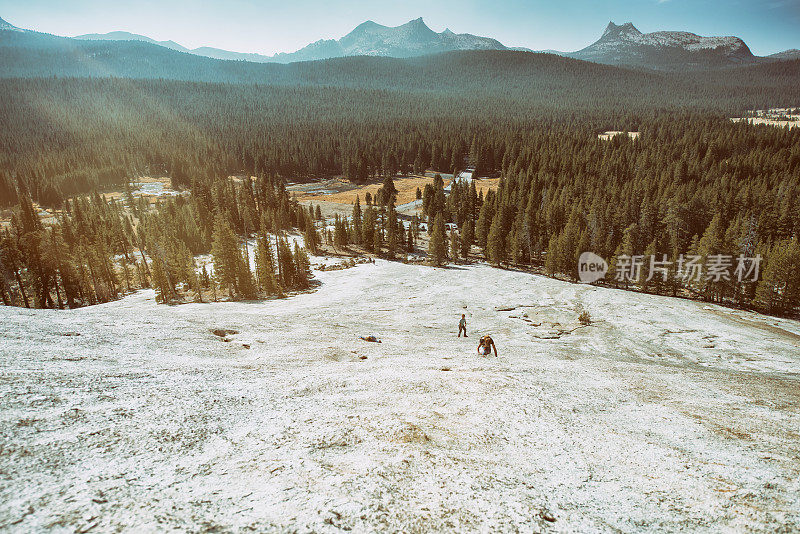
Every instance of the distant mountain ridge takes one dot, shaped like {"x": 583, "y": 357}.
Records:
{"x": 369, "y": 38}
{"x": 664, "y": 50}
{"x": 127, "y": 36}
{"x": 793, "y": 53}
{"x": 620, "y": 45}
{"x": 207, "y": 51}
{"x": 411, "y": 39}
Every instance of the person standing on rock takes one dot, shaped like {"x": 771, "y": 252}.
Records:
{"x": 462, "y": 325}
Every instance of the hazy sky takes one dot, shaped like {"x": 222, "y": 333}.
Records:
{"x": 267, "y": 26}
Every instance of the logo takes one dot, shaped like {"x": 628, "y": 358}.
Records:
{"x": 591, "y": 267}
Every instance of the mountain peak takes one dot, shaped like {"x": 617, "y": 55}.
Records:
{"x": 669, "y": 50}
{"x": 368, "y": 24}
{"x": 7, "y": 26}
{"x": 620, "y": 31}
{"x": 414, "y": 38}
{"x": 417, "y": 25}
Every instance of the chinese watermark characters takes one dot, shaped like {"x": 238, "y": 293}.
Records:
{"x": 688, "y": 268}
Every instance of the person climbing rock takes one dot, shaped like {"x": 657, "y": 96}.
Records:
{"x": 486, "y": 346}
{"x": 462, "y": 325}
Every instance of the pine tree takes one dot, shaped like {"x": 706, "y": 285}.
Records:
{"x": 311, "y": 236}
{"x": 368, "y": 229}
{"x": 454, "y": 245}
{"x": 484, "y": 223}
{"x": 652, "y": 285}
{"x": 225, "y": 252}
{"x": 195, "y": 283}
{"x": 391, "y": 230}
{"x": 64, "y": 262}
{"x": 467, "y": 237}
{"x": 437, "y": 246}
{"x": 340, "y": 233}
{"x": 214, "y": 283}
{"x": 160, "y": 283}
{"x": 205, "y": 280}
{"x": 711, "y": 245}
{"x": 125, "y": 271}
{"x": 377, "y": 241}
{"x": 428, "y": 209}
{"x": 30, "y": 238}
{"x": 11, "y": 262}
{"x": 552, "y": 261}
{"x": 387, "y": 194}
{"x": 286, "y": 265}
{"x": 496, "y": 250}
{"x": 779, "y": 288}
{"x": 583, "y": 245}
{"x": 265, "y": 266}
{"x": 302, "y": 267}
{"x": 244, "y": 276}
{"x": 569, "y": 244}
{"x": 627, "y": 248}
{"x": 520, "y": 250}
{"x": 357, "y": 232}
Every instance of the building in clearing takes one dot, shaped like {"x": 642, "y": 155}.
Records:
{"x": 611, "y": 134}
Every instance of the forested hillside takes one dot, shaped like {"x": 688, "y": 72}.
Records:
{"x": 64, "y": 136}
{"x": 692, "y": 181}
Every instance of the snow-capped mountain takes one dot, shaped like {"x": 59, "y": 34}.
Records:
{"x": 625, "y": 45}
{"x": 413, "y": 38}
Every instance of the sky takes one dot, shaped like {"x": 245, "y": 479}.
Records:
{"x": 267, "y": 26}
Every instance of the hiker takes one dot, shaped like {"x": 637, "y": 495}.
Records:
{"x": 462, "y": 325}
{"x": 486, "y": 345}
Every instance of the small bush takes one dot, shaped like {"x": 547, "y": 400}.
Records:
{"x": 584, "y": 318}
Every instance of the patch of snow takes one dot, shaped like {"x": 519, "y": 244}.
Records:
{"x": 409, "y": 205}
{"x": 465, "y": 176}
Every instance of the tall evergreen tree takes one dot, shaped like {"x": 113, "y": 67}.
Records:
{"x": 437, "y": 246}
{"x": 356, "y": 222}
{"x": 496, "y": 245}
{"x": 467, "y": 238}
{"x": 225, "y": 251}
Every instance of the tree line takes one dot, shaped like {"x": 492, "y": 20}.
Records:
{"x": 686, "y": 187}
